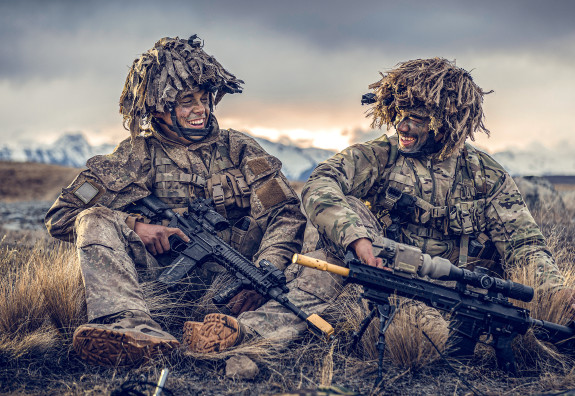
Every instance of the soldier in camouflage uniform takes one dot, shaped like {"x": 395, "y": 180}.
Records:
{"x": 177, "y": 152}
{"x": 425, "y": 186}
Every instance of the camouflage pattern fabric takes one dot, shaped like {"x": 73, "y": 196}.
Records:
{"x": 113, "y": 260}
{"x": 311, "y": 290}
{"x": 94, "y": 210}
{"x": 465, "y": 195}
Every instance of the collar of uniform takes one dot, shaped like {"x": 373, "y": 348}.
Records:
{"x": 211, "y": 138}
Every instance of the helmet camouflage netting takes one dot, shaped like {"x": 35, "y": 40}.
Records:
{"x": 157, "y": 76}
{"x": 435, "y": 87}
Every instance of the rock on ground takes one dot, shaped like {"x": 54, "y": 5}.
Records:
{"x": 241, "y": 367}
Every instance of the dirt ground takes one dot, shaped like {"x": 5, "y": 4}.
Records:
{"x": 28, "y": 181}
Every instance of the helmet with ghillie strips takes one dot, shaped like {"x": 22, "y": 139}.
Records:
{"x": 158, "y": 75}
{"x": 436, "y": 88}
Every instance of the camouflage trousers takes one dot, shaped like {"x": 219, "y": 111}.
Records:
{"x": 115, "y": 264}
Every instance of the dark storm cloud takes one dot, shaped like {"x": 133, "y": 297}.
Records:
{"x": 496, "y": 23}
{"x": 305, "y": 63}
{"x": 57, "y": 38}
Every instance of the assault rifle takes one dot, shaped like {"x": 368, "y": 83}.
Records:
{"x": 483, "y": 311}
{"x": 201, "y": 224}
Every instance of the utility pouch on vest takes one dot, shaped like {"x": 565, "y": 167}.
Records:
{"x": 467, "y": 217}
{"x": 481, "y": 247}
{"x": 241, "y": 189}
{"x": 229, "y": 188}
{"x": 246, "y": 236}
{"x": 221, "y": 193}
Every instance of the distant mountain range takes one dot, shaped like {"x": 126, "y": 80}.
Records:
{"x": 73, "y": 150}
{"x": 537, "y": 160}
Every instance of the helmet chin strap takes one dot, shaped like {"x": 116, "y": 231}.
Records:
{"x": 190, "y": 133}
{"x": 430, "y": 147}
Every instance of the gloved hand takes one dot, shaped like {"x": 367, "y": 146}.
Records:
{"x": 246, "y": 300}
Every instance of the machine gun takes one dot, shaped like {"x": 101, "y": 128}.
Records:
{"x": 484, "y": 311}
{"x": 201, "y": 224}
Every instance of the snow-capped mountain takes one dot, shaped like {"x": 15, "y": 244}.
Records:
{"x": 69, "y": 150}
{"x": 74, "y": 150}
{"x": 537, "y": 160}
{"x": 298, "y": 163}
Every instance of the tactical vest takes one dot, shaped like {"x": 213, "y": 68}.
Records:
{"x": 440, "y": 224}
{"x": 224, "y": 183}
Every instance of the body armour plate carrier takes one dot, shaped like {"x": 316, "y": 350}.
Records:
{"x": 454, "y": 229}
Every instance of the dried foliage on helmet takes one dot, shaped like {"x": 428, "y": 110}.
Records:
{"x": 435, "y": 87}
{"x": 157, "y": 76}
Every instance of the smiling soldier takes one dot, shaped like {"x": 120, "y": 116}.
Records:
{"x": 177, "y": 152}
{"x": 426, "y": 186}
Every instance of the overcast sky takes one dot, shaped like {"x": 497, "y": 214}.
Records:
{"x": 305, "y": 63}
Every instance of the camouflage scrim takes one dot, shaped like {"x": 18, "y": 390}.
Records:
{"x": 467, "y": 194}
{"x": 436, "y": 88}
{"x": 171, "y": 67}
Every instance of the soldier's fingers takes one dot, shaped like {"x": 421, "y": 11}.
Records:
{"x": 371, "y": 261}
{"x": 164, "y": 243}
{"x": 179, "y": 233}
{"x": 158, "y": 246}
{"x": 380, "y": 263}
{"x": 151, "y": 248}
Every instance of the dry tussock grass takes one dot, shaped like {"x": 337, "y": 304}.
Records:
{"x": 408, "y": 346}
{"x": 41, "y": 302}
{"x": 26, "y": 181}
{"x": 41, "y": 298}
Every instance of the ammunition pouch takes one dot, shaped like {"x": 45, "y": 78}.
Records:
{"x": 482, "y": 248}
{"x": 467, "y": 217}
{"x": 246, "y": 236}
{"x": 228, "y": 188}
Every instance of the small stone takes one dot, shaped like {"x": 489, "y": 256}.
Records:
{"x": 241, "y": 367}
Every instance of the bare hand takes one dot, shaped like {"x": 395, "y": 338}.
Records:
{"x": 246, "y": 300}
{"x": 364, "y": 251}
{"x": 155, "y": 237}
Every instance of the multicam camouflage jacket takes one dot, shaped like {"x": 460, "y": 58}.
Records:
{"x": 466, "y": 200}
{"x": 228, "y": 166}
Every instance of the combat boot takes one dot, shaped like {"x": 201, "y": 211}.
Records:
{"x": 217, "y": 333}
{"x": 128, "y": 338}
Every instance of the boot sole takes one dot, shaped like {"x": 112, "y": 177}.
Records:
{"x": 190, "y": 333}
{"x": 114, "y": 348}
{"x": 217, "y": 333}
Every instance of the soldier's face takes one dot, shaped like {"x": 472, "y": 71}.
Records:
{"x": 413, "y": 133}
{"x": 192, "y": 110}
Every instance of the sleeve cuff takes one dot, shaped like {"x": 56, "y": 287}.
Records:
{"x": 131, "y": 220}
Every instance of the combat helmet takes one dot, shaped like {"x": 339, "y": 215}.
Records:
{"x": 436, "y": 88}
{"x": 158, "y": 75}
